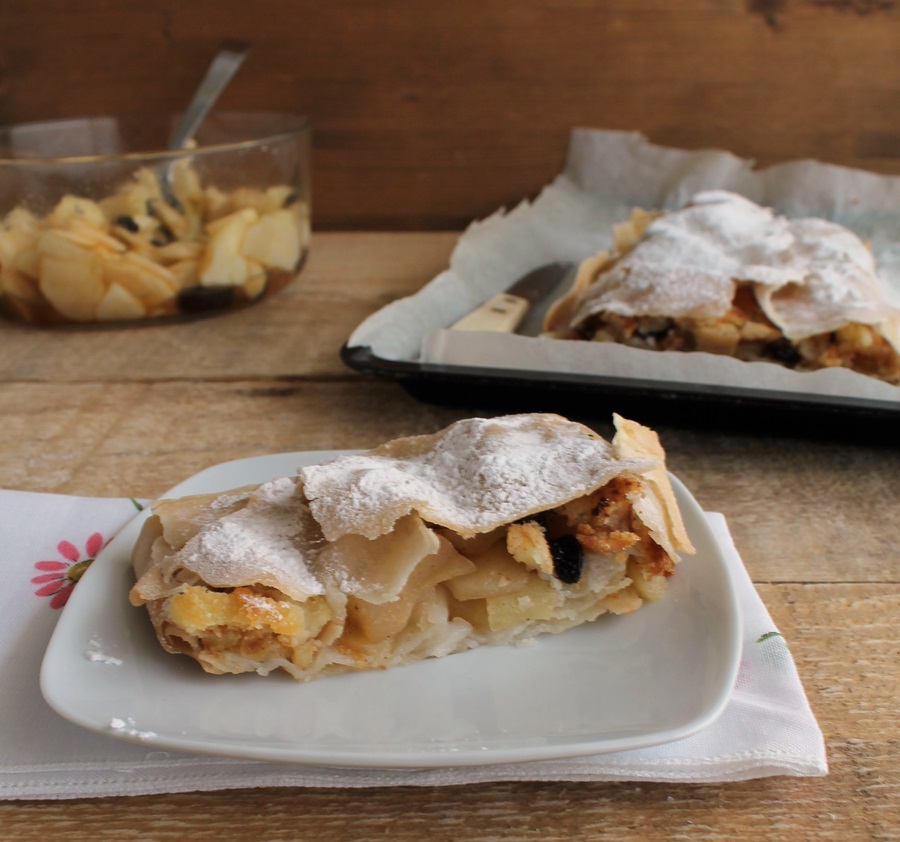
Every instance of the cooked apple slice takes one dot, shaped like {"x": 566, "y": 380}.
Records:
{"x": 16, "y": 283}
{"x": 274, "y": 241}
{"x": 21, "y": 219}
{"x": 185, "y": 224}
{"x": 222, "y": 263}
{"x": 179, "y": 250}
{"x": 93, "y": 237}
{"x": 185, "y": 273}
{"x": 186, "y": 184}
{"x": 536, "y": 601}
{"x": 72, "y": 207}
{"x": 74, "y": 284}
{"x": 62, "y": 245}
{"x": 215, "y": 203}
{"x": 18, "y": 242}
{"x": 28, "y": 261}
{"x": 379, "y": 621}
{"x": 496, "y": 572}
{"x": 148, "y": 282}
{"x": 134, "y": 198}
{"x": 119, "y": 305}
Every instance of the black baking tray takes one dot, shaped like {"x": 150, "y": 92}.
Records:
{"x": 690, "y": 405}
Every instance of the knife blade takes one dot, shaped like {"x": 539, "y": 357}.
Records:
{"x": 522, "y": 306}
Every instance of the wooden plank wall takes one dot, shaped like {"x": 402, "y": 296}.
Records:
{"x": 429, "y": 114}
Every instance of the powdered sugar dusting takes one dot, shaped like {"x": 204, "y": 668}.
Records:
{"x": 841, "y": 284}
{"x": 127, "y": 727}
{"x": 97, "y": 655}
{"x": 228, "y": 500}
{"x": 266, "y": 542}
{"x": 471, "y": 477}
{"x": 689, "y": 260}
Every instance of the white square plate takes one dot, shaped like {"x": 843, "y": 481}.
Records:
{"x": 618, "y": 683}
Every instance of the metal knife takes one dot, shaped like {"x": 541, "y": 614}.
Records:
{"x": 522, "y": 307}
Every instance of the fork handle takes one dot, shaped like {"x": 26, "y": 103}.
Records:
{"x": 223, "y": 67}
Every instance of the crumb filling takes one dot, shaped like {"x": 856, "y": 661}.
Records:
{"x": 491, "y": 585}
{"x": 745, "y": 332}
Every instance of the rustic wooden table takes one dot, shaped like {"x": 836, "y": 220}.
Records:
{"x": 130, "y": 413}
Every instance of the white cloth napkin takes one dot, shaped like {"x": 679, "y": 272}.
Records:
{"x": 767, "y": 728}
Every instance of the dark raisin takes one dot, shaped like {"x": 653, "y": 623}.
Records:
{"x": 784, "y": 351}
{"x": 290, "y": 199}
{"x": 128, "y": 224}
{"x": 199, "y": 299}
{"x": 540, "y": 518}
{"x": 164, "y": 235}
{"x": 172, "y": 202}
{"x": 568, "y": 558}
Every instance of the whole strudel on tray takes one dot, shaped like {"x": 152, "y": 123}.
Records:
{"x": 727, "y": 276}
{"x": 488, "y": 532}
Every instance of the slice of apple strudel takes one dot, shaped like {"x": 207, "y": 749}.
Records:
{"x": 488, "y": 532}
{"x": 726, "y": 276}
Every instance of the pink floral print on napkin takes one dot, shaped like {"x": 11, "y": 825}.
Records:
{"x": 58, "y": 578}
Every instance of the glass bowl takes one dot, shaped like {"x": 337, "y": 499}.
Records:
{"x": 100, "y": 225}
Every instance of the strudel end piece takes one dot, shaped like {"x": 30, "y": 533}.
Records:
{"x": 726, "y": 276}
{"x": 488, "y": 532}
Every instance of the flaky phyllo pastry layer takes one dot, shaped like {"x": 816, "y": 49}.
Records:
{"x": 726, "y": 276}
{"x": 488, "y": 532}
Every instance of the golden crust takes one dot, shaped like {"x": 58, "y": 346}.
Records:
{"x": 660, "y": 511}
{"x": 561, "y": 311}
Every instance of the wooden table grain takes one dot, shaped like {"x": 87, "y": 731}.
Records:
{"x": 427, "y": 115}
{"x": 132, "y": 412}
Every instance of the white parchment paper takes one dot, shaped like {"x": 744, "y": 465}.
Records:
{"x": 606, "y": 175}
